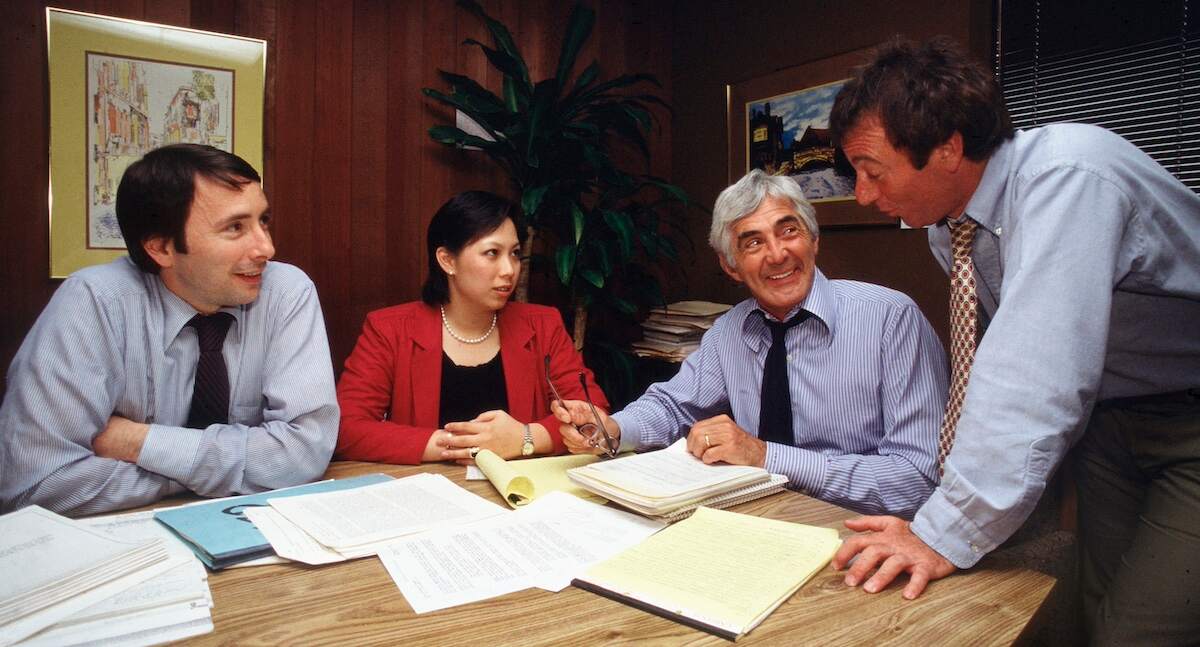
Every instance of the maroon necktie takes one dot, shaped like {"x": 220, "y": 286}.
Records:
{"x": 963, "y": 320}
{"x": 210, "y": 392}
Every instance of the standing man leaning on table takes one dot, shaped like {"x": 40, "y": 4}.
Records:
{"x": 838, "y": 385}
{"x": 1085, "y": 266}
{"x": 102, "y": 411}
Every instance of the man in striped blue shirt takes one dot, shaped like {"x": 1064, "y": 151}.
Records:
{"x": 865, "y": 374}
{"x": 102, "y": 410}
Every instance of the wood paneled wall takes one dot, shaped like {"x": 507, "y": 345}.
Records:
{"x": 350, "y": 172}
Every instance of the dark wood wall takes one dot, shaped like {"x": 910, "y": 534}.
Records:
{"x": 717, "y": 42}
{"x": 350, "y": 172}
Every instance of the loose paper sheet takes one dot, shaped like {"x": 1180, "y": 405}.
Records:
{"x": 347, "y": 519}
{"x": 544, "y": 544}
{"x": 288, "y": 540}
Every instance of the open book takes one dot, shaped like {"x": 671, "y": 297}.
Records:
{"x": 661, "y": 482}
{"x": 725, "y": 589}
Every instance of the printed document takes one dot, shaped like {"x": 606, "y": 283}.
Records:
{"x": 543, "y": 544}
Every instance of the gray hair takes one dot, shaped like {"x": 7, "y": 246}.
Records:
{"x": 744, "y": 196}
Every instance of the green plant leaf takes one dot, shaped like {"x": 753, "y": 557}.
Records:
{"x": 564, "y": 262}
{"x": 577, "y": 219}
{"x": 453, "y": 136}
{"x": 586, "y": 77}
{"x": 578, "y": 29}
{"x": 592, "y": 276}
{"x": 531, "y": 199}
{"x": 623, "y": 306}
{"x": 621, "y": 223}
{"x": 501, "y": 37}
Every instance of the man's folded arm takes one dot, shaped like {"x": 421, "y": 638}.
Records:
{"x": 295, "y": 440}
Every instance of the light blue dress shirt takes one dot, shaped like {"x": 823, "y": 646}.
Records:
{"x": 114, "y": 340}
{"x": 1087, "y": 259}
{"x": 868, "y": 380}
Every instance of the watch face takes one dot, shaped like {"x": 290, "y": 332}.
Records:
{"x": 527, "y": 449}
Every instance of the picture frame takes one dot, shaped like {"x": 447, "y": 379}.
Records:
{"x": 791, "y": 137}
{"x": 120, "y": 88}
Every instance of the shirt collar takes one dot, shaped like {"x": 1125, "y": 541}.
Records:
{"x": 820, "y": 301}
{"x": 984, "y": 205}
{"x": 177, "y": 312}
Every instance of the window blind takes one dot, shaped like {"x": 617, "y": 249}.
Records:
{"x": 1131, "y": 67}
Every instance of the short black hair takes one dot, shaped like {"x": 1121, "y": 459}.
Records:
{"x": 923, "y": 95}
{"x": 156, "y": 193}
{"x": 464, "y": 219}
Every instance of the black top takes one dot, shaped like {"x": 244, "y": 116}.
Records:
{"x": 468, "y": 391}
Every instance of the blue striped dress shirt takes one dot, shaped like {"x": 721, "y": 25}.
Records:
{"x": 114, "y": 340}
{"x": 868, "y": 380}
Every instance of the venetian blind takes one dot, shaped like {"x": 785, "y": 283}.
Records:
{"x": 1132, "y": 67}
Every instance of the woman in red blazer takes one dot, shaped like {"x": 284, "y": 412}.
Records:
{"x": 462, "y": 369}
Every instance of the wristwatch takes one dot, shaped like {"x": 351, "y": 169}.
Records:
{"x": 527, "y": 448}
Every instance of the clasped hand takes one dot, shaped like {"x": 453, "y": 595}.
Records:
{"x": 720, "y": 440}
{"x": 494, "y": 430}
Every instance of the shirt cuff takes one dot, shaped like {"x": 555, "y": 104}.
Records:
{"x": 945, "y": 529}
{"x": 171, "y": 451}
{"x": 805, "y": 469}
{"x": 631, "y": 430}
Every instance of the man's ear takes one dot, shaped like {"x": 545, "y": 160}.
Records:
{"x": 161, "y": 249}
{"x": 730, "y": 270}
{"x": 949, "y": 154}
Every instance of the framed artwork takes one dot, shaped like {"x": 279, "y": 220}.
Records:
{"x": 120, "y": 88}
{"x": 780, "y": 123}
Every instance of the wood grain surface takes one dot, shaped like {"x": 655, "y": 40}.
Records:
{"x": 356, "y": 603}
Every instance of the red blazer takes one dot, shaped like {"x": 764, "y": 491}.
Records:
{"x": 390, "y": 391}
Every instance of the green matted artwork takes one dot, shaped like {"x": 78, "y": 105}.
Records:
{"x": 120, "y": 88}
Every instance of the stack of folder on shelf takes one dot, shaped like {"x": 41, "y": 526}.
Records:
{"x": 55, "y": 567}
{"x": 671, "y": 483}
{"x": 672, "y": 333}
{"x": 218, "y": 532}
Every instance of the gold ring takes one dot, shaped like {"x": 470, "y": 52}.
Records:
{"x": 706, "y": 443}
{"x": 472, "y": 452}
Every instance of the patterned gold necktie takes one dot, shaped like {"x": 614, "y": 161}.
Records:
{"x": 963, "y": 320}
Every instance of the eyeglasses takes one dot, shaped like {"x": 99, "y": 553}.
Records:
{"x": 594, "y": 433}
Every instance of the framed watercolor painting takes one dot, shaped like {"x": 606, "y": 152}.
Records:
{"x": 120, "y": 88}
{"x": 780, "y": 123}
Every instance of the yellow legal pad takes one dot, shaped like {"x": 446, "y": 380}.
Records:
{"x": 522, "y": 481}
{"x": 718, "y": 571}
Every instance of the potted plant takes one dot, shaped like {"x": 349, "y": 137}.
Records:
{"x": 557, "y": 139}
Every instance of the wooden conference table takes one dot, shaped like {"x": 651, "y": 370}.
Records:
{"x": 356, "y": 603}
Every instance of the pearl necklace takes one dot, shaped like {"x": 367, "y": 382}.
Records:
{"x": 477, "y": 340}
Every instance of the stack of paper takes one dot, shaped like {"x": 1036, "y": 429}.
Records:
{"x": 544, "y": 544}
{"x": 335, "y": 526}
{"x": 663, "y": 482}
{"x": 171, "y": 606}
{"x": 218, "y": 532}
{"x": 54, "y": 567}
{"x": 672, "y": 333}
{"x": 718, "y": 571}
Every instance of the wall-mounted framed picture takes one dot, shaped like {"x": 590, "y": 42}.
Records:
{"x": 120, "y": 88}
{"x": 780, "y": 123}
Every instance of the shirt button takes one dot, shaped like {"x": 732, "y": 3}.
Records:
{"x": 975, "y": 549}
{"x": 998, "y": 230}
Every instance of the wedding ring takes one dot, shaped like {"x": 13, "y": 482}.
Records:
{"x": 472, "y": 452}
{"x": 706, "y": 443}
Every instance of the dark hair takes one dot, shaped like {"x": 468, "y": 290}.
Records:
{"x": 923, "y": 95}
{"x": 156, "y": 192}
{"x": 464, "y": 219}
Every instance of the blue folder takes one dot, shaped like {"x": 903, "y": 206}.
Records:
{"x": 221, "y": 535}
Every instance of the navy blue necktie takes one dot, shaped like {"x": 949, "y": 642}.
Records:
{"x": 775, "y": 414}
{"x": 210, "y": 392}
